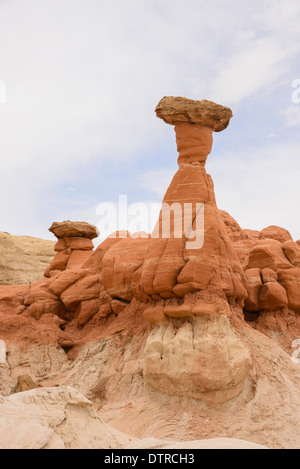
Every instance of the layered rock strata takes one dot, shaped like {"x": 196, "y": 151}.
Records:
{"x": 74, "y": 246}
{"x": 189, "y": 279}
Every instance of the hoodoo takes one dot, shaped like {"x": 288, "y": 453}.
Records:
{"x": 187, "y": 272}
{"x": 179, "y": 312}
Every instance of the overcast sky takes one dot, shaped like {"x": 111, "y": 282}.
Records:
{"x": 83, "y": 78}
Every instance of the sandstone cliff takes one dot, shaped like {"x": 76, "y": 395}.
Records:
{"x": 23, "y": 259}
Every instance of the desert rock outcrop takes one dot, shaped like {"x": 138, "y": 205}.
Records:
{"x": 74, "y": 246}
{"x": 62, "y": 418}
{"x": 54, "y": 418}
{"x": 163, "y": 320}
{"x": 23, "y": 259}
{"x": 203, "y": 360}
{"x": 185, "y": 272}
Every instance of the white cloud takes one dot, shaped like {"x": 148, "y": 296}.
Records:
{"x": 257, "y": 67}
{"x": 83, "y": 78}
{"x": 292, "y": 116}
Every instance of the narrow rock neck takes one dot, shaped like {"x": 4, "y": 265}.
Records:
{"x": 194, "y": 144}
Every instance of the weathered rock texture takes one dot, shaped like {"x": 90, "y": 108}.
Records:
{"x": 77, "y": 229}
{"x": 161, "y": 322}
{"x": 23, "y": 259}
{"x": 25, "y": 383}
{"x": 202, "y": 360}
{"x": 109, "y": 366}
{"x": 61, "y": 418}
{"x": 74, "y": 246}
{"x": 197, "y": 264}
{"x": 177, "y": 110}
{"x": 174, "y": 276}
{"x": 54, "y": 418}
{"x": 176, "y": 266}
{"x": 271, "y": 261}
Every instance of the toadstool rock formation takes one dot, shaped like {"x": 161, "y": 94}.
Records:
{"x": 187, "y": 281}
{"x": 185, "y": 271}
{"x": 73, "y": 247}
{"x": 202, "y": 259}
{"x": 149, "y": 326}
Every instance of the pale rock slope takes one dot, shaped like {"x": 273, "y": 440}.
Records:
{"x": 62, "y": 418}
{"x": 54, "y": 418}
{"x": 23, "y": 259}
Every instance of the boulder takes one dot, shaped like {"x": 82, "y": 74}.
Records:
{"x": 275, "y": 232}
{"x": 272, "y": 296}
{"x": 60, "y": 282}
{"x": 268, "y": 253}
{"x": 177, "y": 110}
{"x": 290, "y": 280}
{"x": 74, "y": 229}
{"x": 292, "y": 252}
{"x": 87, "y": 288}
{"x": 60, "y": 245}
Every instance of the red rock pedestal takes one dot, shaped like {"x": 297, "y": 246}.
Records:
{"x": 193, "y": 280}
{"x": 74, "y": 246}
{"x": 185, "y": 279}
{"x": 201, "y": 259}
{"x": 177, "y": 275}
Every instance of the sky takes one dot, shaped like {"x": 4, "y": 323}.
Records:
{"x": 79, "y": 83}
